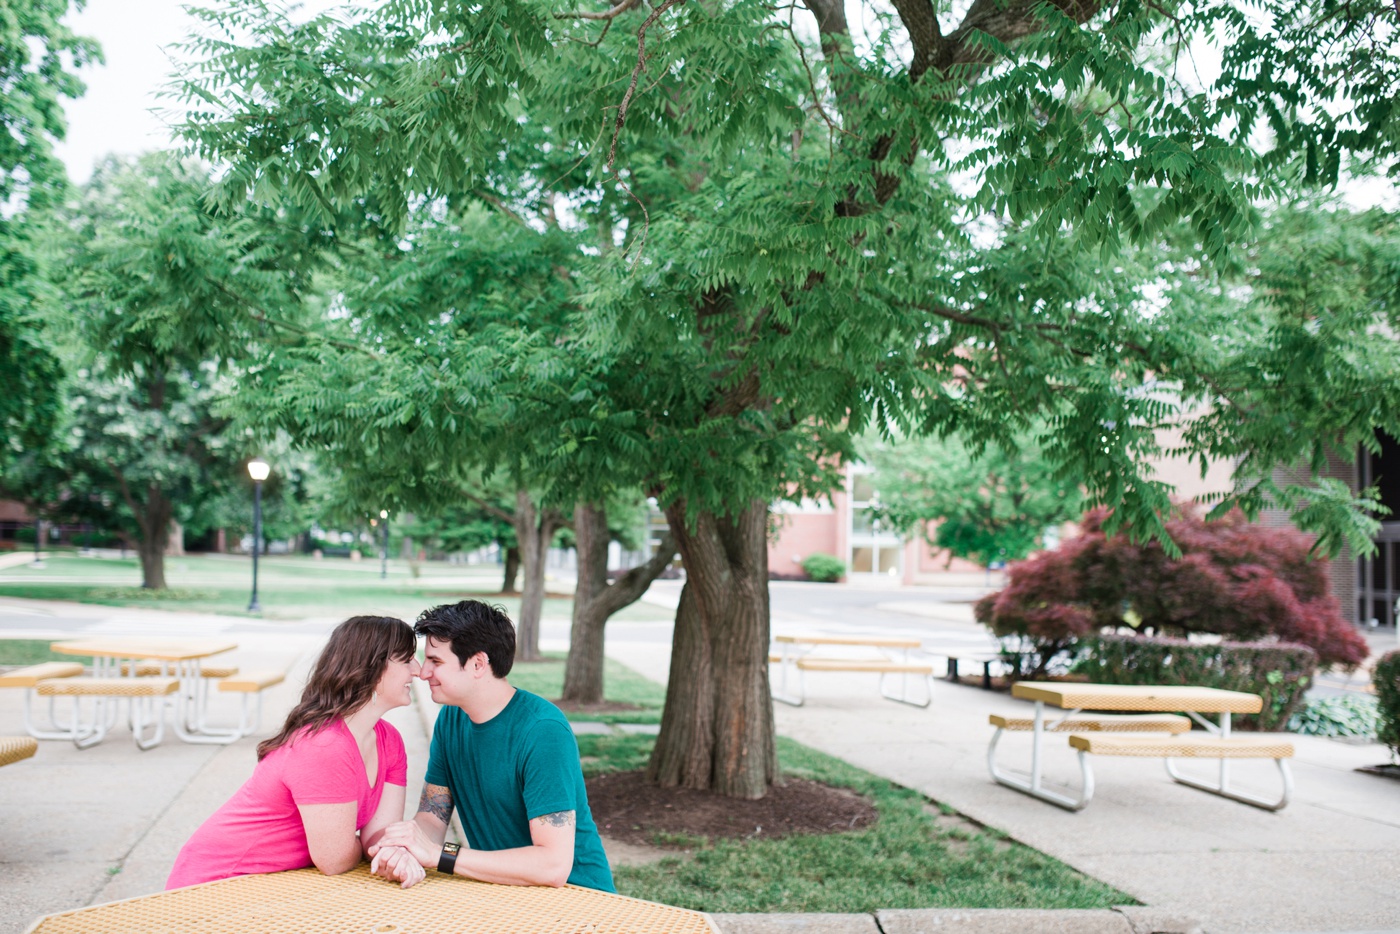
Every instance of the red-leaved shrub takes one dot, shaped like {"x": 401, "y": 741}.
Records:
{"x": 1234, "y": 579}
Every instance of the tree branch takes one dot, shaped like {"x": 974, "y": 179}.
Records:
{"x": 490, "y": 507}
{"x": 611, "y": 14}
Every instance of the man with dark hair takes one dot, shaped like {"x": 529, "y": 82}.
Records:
{"x": 507, "y": 758}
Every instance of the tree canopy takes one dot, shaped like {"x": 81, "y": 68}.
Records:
{"x": 709, "y": 244}
{"x": 38, "y": 58}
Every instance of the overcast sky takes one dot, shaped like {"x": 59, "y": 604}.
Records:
{"x": 115, "y": 114}
{"x": 120, "y": 112}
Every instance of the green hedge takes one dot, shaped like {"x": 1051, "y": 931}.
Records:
{"x": 1386, "y": 677}
{"x": 1278, "y": 672}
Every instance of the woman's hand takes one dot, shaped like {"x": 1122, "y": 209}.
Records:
{"x": 397, "y": 864}
{"x": 412, "y": 836}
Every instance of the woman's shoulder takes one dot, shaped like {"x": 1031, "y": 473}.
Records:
{"x": 388, "y": 731}
{"x": 317, "y": 740}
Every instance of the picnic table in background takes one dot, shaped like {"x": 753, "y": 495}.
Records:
{"x": 308, "y": 901}
{"x": 795, "y": 656}
{"x": 1144, "y": 706}
{"x": 121, "y": 670}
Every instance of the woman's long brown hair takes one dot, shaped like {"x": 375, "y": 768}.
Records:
{"x": 343, "y": 678}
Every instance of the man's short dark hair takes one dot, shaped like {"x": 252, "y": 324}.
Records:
{"x": 470, "y": 627}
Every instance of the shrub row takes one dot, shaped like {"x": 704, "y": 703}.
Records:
{"x": 1386, "y": 678}
{"x": 1279, "y": 672}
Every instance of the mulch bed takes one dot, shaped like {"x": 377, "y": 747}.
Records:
{"x": 626, "y": 808}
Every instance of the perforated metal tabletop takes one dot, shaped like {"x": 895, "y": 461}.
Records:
{"x": 360, "y": 903}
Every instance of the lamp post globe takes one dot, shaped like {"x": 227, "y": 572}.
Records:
{"x": 259, "y": 470}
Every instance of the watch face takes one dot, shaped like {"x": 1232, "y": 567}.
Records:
{"x": 451, "y": 848}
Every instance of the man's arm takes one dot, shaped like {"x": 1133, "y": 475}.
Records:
{"x": 547, "y": 861}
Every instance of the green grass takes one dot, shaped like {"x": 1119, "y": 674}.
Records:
{"x": 18, "y": 652}
{"x": 289, "y": 587}
{"x": 907, "y": 859}
{"x": 620, "y": 685}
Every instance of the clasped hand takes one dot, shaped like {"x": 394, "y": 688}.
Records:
{"x": 401, "y": 852}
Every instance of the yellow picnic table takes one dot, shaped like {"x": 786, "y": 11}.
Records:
{"x": 307, "y": 901}
{"x": 1105, "y": 735}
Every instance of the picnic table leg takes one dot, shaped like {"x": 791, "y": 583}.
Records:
{"x": 1225, "y": 763}
{"x": 1037, "y": 733}
{"x": 1033, "y": 785}
{"x": 789, "y": 661}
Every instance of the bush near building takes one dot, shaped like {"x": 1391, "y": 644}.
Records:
{"x": 824, "y": 568}
{"x": 1386, "y": 678}
{"x": 1233, "y": 578}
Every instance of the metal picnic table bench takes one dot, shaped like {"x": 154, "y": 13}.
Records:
{"x": 795, "y": 656}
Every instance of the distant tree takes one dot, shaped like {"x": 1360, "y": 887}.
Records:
{"x": 987, "y": 505}
{"x": 1232, "y": 578}
{"x": 38, "y": 58}
{"x": 164, "y": 299}
{"x": 597, "y": 596}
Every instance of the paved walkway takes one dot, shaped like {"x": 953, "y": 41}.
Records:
{"x": 83, "y": 827}
{"x": 1327, "y": 862}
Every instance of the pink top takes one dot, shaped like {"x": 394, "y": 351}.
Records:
{"x": 259, "y": 829}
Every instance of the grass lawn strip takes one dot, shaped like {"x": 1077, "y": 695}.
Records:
{"x": 621, "y": 685}
{"x": 289, "y": 587}
{"x": 908, "y": 859}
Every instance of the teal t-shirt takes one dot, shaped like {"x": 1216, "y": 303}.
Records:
{"x": 519, "y": 765}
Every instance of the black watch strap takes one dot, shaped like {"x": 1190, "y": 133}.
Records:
{"x": 447, "y": 862}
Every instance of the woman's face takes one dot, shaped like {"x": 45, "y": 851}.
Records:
{"x": 395, "y": 687}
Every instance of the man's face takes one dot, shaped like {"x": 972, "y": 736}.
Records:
{"x": 451, "y": 681}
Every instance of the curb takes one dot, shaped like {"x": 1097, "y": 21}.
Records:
{"x": 1127, "y": 919}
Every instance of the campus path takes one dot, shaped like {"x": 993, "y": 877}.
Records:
{"x": 79, "y": 828}
{"x": 1327, "y": 862}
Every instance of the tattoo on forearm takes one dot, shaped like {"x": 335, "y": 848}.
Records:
{"x": 437, "y": 801}
{"x": 558, "y": 819}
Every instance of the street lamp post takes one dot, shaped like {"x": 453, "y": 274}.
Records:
{"x": 258, "y": 469}
{"x": 384, "y": 551}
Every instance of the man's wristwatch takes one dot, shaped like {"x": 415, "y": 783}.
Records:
{"x": 447, "y": 862}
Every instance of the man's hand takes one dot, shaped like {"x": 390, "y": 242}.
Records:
{"x": 410, "y": 836}
{"x": 396, "y": 864}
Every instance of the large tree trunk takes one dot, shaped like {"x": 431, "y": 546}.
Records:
{"x": 717, "y": 728}
{"x": 534, "y": 529}
{"x": 154, "y": 522}
{"x": 595, "y": 600}
{"x": 512, "y": 570}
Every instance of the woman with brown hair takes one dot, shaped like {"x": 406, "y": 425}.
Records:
{"x": 328, "y": 784}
